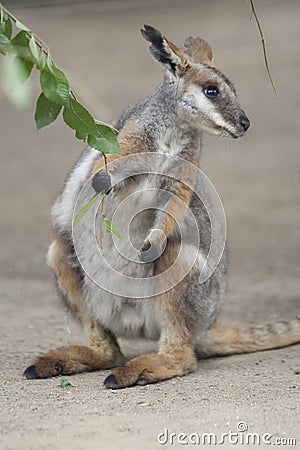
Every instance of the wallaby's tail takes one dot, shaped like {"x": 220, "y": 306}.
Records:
{"x": 221, "y": 340}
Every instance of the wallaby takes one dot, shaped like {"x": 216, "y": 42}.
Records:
{"x": 157, "y": 175}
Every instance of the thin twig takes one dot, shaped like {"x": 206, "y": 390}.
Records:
{"x": 263, "y": 42}
{"x": 101, "y": 221}
{"x": 105, "y": 161}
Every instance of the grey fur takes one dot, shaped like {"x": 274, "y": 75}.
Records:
{"x": 171, "y": 121}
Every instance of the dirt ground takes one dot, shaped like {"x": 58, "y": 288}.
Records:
{"x": 258, "y": 178}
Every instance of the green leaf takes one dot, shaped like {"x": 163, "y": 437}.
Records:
{"x": 4, "y": 44}
{"x": 105, "y": 140}
{"x": 13, "y": 81}
{"x": 63, "y": 91}
{"x": 110, "y": 228}
{"x": 49, "y": 87}
{"x": 20, "y": 39}
{"x": 64, "y": 383}
{"x": 27, "y": 67}
{"x": 6, "y": 28}
{"x": 55, "y": 86}
{"x": 33, "y": 48}
{"x": 86, "y": 208}
{"x": 4, "y": 39}
{"x": 78, "y": 118}
{"x": 63, "y": 87}
{"x": 21, "y": 26}
{"x": 46, "y": 112}
{"x": 38, "y": 55}
{"x": 81, "y": 136}
{"x": 20, "y": 44}
{"x": 40, "y": 61}
{"x": 49, "y": 63}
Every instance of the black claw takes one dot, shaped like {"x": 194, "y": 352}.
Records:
{"x": 142, "y": 381}
{"x": 149, "y": 253}
{"x": 58, "y": 368}
{"x": 111, "y": 382}
{"x": 146, "y": 247}
{"x": 102, "y": 182}
{"x": 31, "y": 373}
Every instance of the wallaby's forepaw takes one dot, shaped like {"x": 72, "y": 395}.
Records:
{"x": 102, "y": 182}
{"x": 149, "y": 253}
{"x": 147, "y": 369}
{"x": 154, "y": 246}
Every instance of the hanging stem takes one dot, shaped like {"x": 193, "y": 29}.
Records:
{"x": 101, "y": 222}
{"x": 264, "y": 47}
{"x": 105, "y": 161}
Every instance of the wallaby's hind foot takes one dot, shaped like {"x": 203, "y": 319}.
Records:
{"x": 103, "y": 353}
{"x": 152, "y": 368}
{"x": 70, "y": 360}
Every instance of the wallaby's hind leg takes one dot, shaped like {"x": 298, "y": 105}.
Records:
{"x": 176, "y": 355}
{"x": 103, "y": 351}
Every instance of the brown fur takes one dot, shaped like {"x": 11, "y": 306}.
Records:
{"x": 68, "y": 278}
{"x": 193, "y": 76}
{"x": 154, "y": 367}
{"x": 70, "y": 360}
{"x": 103, "y": 351}
{"x": 130, "y": 140}
{"x": 222, "y": 340}
{"x": 175, "y": 209}
{"x": 176, "y": 355}
{"x": 199, "y": 50}
{"x": 182, "y": 67}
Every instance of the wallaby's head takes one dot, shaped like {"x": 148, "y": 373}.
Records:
{"x": 206, "y": 99}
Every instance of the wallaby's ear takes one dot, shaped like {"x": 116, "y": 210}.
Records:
{"x": 198, "y": 50}
{"x": 164, "y": 51}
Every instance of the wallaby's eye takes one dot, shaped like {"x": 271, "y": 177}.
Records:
{"x": 211, "y": 91}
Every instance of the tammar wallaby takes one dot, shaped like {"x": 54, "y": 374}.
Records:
{"x": 157, "y": 175}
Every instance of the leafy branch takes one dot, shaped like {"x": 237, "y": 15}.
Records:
{"x": 26, "y": 50}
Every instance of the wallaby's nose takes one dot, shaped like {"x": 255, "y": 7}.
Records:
{"x": 245, "y": 122}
